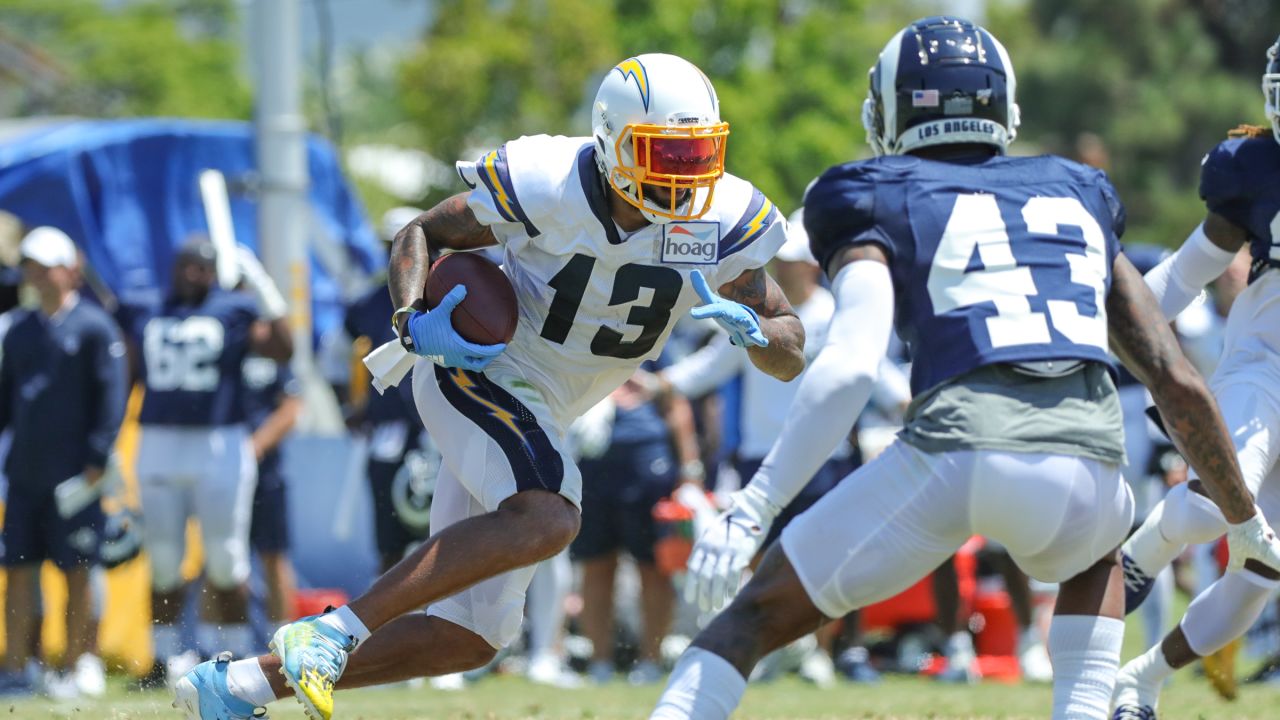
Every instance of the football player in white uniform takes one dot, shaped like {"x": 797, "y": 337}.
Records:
{"x": 607, "y": 241}
{"x": 1240, "y": 185}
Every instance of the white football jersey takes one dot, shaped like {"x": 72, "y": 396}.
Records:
{"x": 595, "y": 301}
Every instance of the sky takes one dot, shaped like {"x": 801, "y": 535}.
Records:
{"x": 363, "y": 23}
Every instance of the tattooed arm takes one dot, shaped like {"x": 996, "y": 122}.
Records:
{"x": 448, "y": 226}
{"x": 1141, "y": 337}
{"x": 783, "y": 357}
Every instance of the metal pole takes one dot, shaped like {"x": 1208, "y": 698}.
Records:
{"x": 282, "y": 162}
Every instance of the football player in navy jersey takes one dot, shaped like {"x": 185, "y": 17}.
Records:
{"x": 607, "y": 241}
{"x": 195, "y": 455}
{"x": 1008, "y": 284}
{"x": 1240, "y": 185}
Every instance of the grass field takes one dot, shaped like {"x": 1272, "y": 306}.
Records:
{"x": 505, "y": 698}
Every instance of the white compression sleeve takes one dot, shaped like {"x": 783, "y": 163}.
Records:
{"x": 837, "y": 384}
{"x": 1178, "y": 279}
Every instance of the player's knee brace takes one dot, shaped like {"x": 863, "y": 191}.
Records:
{"x": 1190, "y": 518}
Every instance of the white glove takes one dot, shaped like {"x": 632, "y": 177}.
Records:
{"x": 725, "y": 549}
{"x": 1253, "y": 539}
{"x": 271, "y": 304}
{"x": 705, "y": 513}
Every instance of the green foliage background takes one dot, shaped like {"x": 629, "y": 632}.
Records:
{"x": 1147, "y": 85}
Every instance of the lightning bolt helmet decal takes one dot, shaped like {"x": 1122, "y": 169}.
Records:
{"x": 632, "y": 67}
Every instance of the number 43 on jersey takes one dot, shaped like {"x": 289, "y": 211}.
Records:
{"x": 976, "y": 224}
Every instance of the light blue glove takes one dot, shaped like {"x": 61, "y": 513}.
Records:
{"x": 435, "y": 339}
{"x": 740, "y": 321}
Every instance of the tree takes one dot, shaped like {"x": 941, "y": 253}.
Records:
{"x": 1153, "y": 79}
{"x": 122, "y": 59}
{"x": 791, "y": 75}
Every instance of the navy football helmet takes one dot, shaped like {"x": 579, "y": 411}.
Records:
{"x": 1271, "y": 87}
{"x": 940, "y": 81}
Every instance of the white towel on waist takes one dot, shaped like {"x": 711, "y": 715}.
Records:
{"x": 388, "y": 365}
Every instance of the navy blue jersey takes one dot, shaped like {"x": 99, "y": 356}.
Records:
{"x": 1240, "y": 180}
{"x": 62, "y": 393}
{"x": 192, "y": 358}
{"x": 370, "y": 317}
{"x": 1002, "y": 259}
{"x": 266, "y": 384}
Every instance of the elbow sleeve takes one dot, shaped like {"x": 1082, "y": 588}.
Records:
{"x": 1179, "y": 278}
{"x": 837, "y": 385}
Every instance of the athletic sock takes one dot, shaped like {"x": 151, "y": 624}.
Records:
{"x": 703, "y": 686}
{"x": 247, "y": 681}
{"x": 1085, "y": 650}
{"x": 347, "y": 623}
{"x": 1141, "y": 679}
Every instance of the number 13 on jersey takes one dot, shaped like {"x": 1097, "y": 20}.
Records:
{"x": 976, "y": 224}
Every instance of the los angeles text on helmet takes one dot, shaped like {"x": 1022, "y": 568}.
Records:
{"x": 985, "y": 127}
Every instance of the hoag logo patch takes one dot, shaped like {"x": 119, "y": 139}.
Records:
{"x": 691, "y": 243}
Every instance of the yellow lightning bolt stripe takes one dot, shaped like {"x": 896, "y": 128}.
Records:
{"x": 631, "y": 67}
{"x": 755, "y": 224}
{"x": 506, "y": 417}
{"x": 499, "y": 192}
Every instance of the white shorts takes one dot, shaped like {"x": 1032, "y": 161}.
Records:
{"x": 897, "y": 518}
{"x": 206, "y": 472}
{"x": 496, "y": 438}
{"x": 1252, "y": 416}
{"x": 1246, "y": 384}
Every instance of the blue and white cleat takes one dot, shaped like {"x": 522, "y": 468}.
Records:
{"x": 1137, "y": 583}
{"x": 202, "y": 694}
{"x": 312, "y": 657}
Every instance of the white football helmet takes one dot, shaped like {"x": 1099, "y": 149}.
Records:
{"x": 1271, "y": 88}
{"x": 656, "y": 121}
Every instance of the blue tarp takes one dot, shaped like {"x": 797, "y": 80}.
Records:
{"x": 127, "y": 192}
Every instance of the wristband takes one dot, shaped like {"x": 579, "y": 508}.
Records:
{"x": 405, "y": 340}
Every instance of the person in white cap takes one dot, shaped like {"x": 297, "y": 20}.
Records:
{"x": 62, "y": 395}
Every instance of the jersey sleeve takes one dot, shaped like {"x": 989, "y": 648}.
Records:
{"x": 1115, "y": 214}
{"x": 753, "y": 239}
{"x": 1221, "y": 186}
{"x": 505, "y": 184}
{"x": 1115, "y": 207}
{"x": 839, "y": 211}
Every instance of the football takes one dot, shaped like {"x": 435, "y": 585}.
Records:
{"x": 488, "y": 314}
